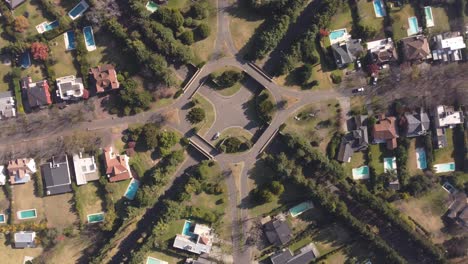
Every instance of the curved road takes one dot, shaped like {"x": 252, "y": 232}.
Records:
{"x": 242, "y": 253}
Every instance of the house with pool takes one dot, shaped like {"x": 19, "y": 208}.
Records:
{"x": 7, "y": 105}
{"x": 70, "y": 88}
{"x": 21, "y": 170}
{"x": 447, "y": 47}
{"x": 382, "y": 51}
{"x": 277, "y": 230}
{"x": 445, "y": 117}
{"x": 85, "y": 169}
{"x": 385, "y": 131}
{"x": 24, "y": 239}
{"x": 56, "y": 175}
{"x": 354, "y": 141}
{"x": 416, "y": 49}
{"x": 117, "y": 167}
{"x": 415, "y": 124}
{"x": 36, "y": 93}
{"x": 347, "y": 51}
{"x": 195, "y": 238}
{"x": 104, "y": 78}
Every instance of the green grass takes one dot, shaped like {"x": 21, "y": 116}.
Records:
{"x": 4, "y": 71}
{"x": 300, "y": 244}
{"x": 118, "y": 189}
{"x": 107, "y": 51}
{"x": 177, "y": 4}
{"x": 174, "y": 228}
{"x": 342, "y": 18}
{"x": 306, "y": 127}
{"x": 357, "y": 160}
{"x": 36, "y": 71}
{"x": 66, "y": 64}
{"x": 444, "y": 155}
{"x": 237, "y": 132}
{"x": 203, "y": 49}
{"x": 243, "y": 23}
{"x": 229, "y": 91}
{"x": 172, "y": 258}
{"x": 441, "y": 21}
{"x": 376, "y": 161}
{"x": 400, "y": 17}
{"x": 206, "y": 124}
{"x": 90, "y": 199}
{"x": 36, "y": 16}
{"x": 368, "y": 18}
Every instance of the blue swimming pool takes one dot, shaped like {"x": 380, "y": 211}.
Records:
{"x": 186, "y": 230}
{"x": 334, "y": 35}
{"x": 390, "y": 164}
{"x": 51, "y": 25}
{"x": 78, "y": 10}
{"x": 70, "y": 40}
{"x": 132, "y": 189}
{"x": 421, "y": 158}
{"x": 428, "y": 15}
{"x": 89, "y": 36}
{"x": 445, "y": 167}
{"x": 361, "y": 173}
{"x": 2, "y": 218}
{"x": 300, "y": 208}
{"x": 25, "y": 60}
{"x": 379, "y": 8}
{"x": 413, "y": 26}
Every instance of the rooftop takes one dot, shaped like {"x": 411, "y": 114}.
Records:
{"x": 447, "y": 116}
{"x": 117, "y": 167}
{"x": 7, "y": 105}
{"x": 37, "y": 93}
{"x": 278, "y": 231}
{"x": 85, "y": 169}
{"x": 24, "y": 239}
{"x": 70, "y": 88}
{"x": 104, "y": 78}
{"x": 56, "y": 175}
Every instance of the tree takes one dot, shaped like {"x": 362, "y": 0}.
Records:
{"x": 304, "y": 73}
{"x": 457, "y": 246}
{"x": 232, "y": 144}
{"x": 198, "y": 11}
{"x": 167, "y": 139}
{"x": 40, "y": 51}
{"x": 21, "y": 24}
{"x": 203, "y": 31}
{"x": 276, "y": 188}
{"x": 228, "y": 78}
{"x": 149, "y": 135}
{"x": 196, "y": 115}
{"x": 324, "y": 32}
{"x": 419, "y": 184}
{"x": 187, "y": 37}
{"x": 170, "y": 17}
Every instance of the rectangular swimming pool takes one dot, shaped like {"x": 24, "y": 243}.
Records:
{"x": 2, "y": 218}
{"x": 132, "y": 189}
{"x": 379, "y": 8}
{"x": 25, "y": 60}
{"x": 51, "y": 25}
{"x": 337, "y": 34}
{"x": 390, "y": 164}
{"x": 445, "y": 167}
{"x": 361, "y": 173}
{"x": 429, "y": 17}
{"x": 151, "y": 6}
{"x": 26, "y": 214}
{"x": 95, "y": 218}
{"x": 151, "y": 260}
{"x": 89, "y": 38}
{"x": 300, "y": 208}
{"x": 78, "y": 10}
{"x": 421, "y": 158}
{"x": 413, "y": 26}
{"x": 69, "y": 38}
{"x": 186, "y": 229}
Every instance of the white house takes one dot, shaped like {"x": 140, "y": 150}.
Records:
{"x": 85, "y": 169}
{"x": 445, "y": 116}
{"x": 7, "y": 105}
{"x": 447, "y": 47}
{"x": 70, "y": 88}
{"x": 194, "y": 238}
{"x": 2, "y": 175}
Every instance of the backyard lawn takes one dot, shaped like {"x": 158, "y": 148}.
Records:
{"x": 441, "y": 21}
{"x": 444, "y": 155}
{"x": 319, "y": 128}
{"x": 34, "y": 15}
{"x": 342, "y": 18}
{"x": 24, "y": 199}
{"x": 243, "y": 24}
{"x": 65, "y": 59}
{"x": 117, "y": 189}
{"x": 9, "y": 255}
{"x": 428, "y": 210}
{"x": 4, "y": 71}
{"x": 400, "y": 17}
{"x": 369, "y": 19}
{"x": 92, "y": 203}
{"x": 210, "y": 118}
{"x": 412, "y": 161}
{"x": 357, "y": 160}
{"x": 377, "y": 158}
{"x": 59, "y": 210}
{"x": 4, "y": 205}
{"x": 36, "y": 71}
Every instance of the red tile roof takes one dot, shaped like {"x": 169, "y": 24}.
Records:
{"x": 116, "y": 166}
{"x": 385, "y": 129}
{"x": 105, "y": 78}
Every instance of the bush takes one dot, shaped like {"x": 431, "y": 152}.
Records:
{"x": 265, "y": 107}
{"x": 232, "y": 144}
{"x": 276, "y": 188}
{"x": 198, "y": 11}
{"x": 170, "y": 17}
{"x": 228, "y": 78}
{"x": 203, "y": 31}
{"x": 336, "y": 78}
{"x": 303, "y": 74}
{"x": 196, "y": 115}
{"x": 187, "y": 37}
{"x": 38, "y": 184}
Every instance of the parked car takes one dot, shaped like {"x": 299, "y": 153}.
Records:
{"x": 216, "y": 136}
{"x": 358, "y": 90}
{"x": 374, "y": 80}
{"x": 358, "y": 64}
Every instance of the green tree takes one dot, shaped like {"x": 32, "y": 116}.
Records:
{"x": 196, "y": 115}
{"x": 276, "y": 188}
{"x": 167, "y": 139}
{"x": 304, "y": 73}
{"x": 187, "y": 37}
{"x": 232, "y": 144}
{"x": 228, "y": 78}
{"x": 170, "y": 17}
{"x": 203, "y": 31}
{"x": 199, "y": 11}
{"x": 149, "y": 135}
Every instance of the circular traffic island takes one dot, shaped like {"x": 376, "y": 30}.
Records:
{"x": 234, "y": 140}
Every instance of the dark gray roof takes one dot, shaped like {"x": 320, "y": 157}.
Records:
{"x": 345, "y": 152}
{"x": 418, "y": 124}
{"x": 307, "y": 254}
{"x": 36, "y": 95}
{"x": 14, "y": 3}
{"x": 278, "y": 232}
{"x": 341, "y": 54}
{"x": 281, "y": 258}
{"x": 56, "y": 176}
{"x": 355, "y": 140}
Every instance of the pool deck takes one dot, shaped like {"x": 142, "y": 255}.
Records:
{"x": 85, "y": 5}
{"x": 87, "y": 217}
{"x": 128, "y": 187}
{"x": 18, "y": 214}
{"x": 67, "y": 41}
{"x": 308, "y": 205}
{"x": 345, "y": 36}
{"x": 409, "y": 31}
{"x": 393, "y": 167}
{"x": 418, "y": 164}
{"x": 429, "y": 21}
{"x": 92, "y": 47}
{"x": 440, "y": 170}
{"x": 151, "y": 260}
{"x": 357, "y": 176}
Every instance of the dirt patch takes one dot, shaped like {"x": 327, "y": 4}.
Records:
{"x": 59, "y": 211}
{"x": 236, "y": 170}
{"x": 172, "y": 116}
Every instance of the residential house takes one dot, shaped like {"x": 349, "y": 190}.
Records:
{"x": 448, "y": 46}
{"x": 385, "y": 131}
{"x": 354, "y": 141}
{"x": 416, "y": 49}
{"x": 458, "y": 209}
{"x": 7, "y": 105}
{"x": 104, "y": 78}
{"x": 415, "y": 124}
{"x": 70, "y": 88}
{"x": 346, "y": 52}
{"x": 445, "y": 116}
{"x": 37, "y": 93}
{"x": 56, "y": 175}
{"x": 21, "y": 170}
{"x": 306, "y": 255}
{"x": 14, "y": 3}
{"x": 3, "y": 175}
{"x": 194, "y": 238}
{"x": 85, "y": 169}
{"x": 117, "y": 168}
{"x": 24, "y": 239}
{"x": 382, "y": 51}
{"x": 277, "y": 231}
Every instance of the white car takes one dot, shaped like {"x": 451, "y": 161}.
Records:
{"x": 216, "y": 136}
{"x": 358, "y": 90}
{"x": 358, "y": 63}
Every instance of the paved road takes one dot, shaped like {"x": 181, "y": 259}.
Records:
{"x": 229, "y": 112}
